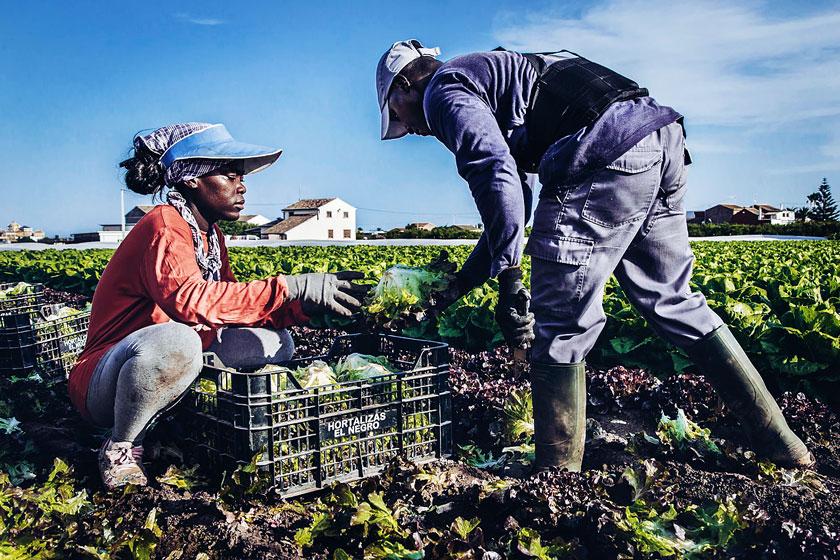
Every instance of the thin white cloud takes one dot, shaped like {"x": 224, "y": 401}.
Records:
{"x": 826, "y": 158}
{"x": 830, "y": 165}
{"x": 199, "y": 20}
{"x": 717, "y": 63}
{"x": 831, "y": 149}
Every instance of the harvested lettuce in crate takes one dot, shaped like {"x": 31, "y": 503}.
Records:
{"x": 16, "y": 290}
{"x": 60, "y": 311}
{"x": 315, "y": 374}
{"x": 361, "y": 366}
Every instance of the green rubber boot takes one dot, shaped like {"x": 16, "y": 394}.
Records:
{"x": 559, "y": 396}
{"x": 725, "y": 365}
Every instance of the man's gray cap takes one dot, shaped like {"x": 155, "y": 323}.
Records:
{"x": 395, "y": 59}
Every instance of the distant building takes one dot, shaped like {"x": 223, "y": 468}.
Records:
{"x": 112, "y": 233}
{"x": 721, "y": 213}
{"x": 14, "y": 232}
{"x": 85, "y": 237}
{"x": 426, "y": 226}
{"x": 746, "y": 216}
{"x": 695, "y": 216}
{"x": 468, "y": 227}
{"x": 133, "y": 216}
{"x": 253, "y": 219}
{"x": 313, "y": 219}
{"x": 782, "y": 217}
{"x": 763, "y": 214}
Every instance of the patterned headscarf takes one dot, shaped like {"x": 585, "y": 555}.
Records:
{"x": 181, "y": 170}
{"x": 158, "y": 142}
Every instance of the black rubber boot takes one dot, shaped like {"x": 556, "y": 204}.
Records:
{"x": 559, "y": 396}
{"x": 725, "y": 365}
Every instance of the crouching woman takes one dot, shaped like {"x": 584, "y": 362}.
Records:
{"x": 168, "y": 292}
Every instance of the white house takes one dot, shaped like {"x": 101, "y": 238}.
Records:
{"x": 253, "y": 219}
{"x": 313, "y": 219}
{"x": 782, "y": 217}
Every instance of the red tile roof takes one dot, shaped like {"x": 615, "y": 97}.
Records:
{"x": 309, "y": 203}
{"x": 285, "y": 225}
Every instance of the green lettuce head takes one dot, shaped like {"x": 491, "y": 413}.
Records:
{"x": 409, "y": 295}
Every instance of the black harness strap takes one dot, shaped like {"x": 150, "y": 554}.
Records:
{"x": 536, "y": 62}
{"x": 569, "y": 95}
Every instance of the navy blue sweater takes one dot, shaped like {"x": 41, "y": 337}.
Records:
{"x": 475, "y": 104}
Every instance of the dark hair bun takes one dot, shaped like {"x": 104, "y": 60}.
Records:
{"x": 143, "y": 171}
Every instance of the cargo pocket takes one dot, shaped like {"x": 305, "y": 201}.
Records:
{"x": 549, "y": 213}
{"x": 558, "y": 271}
{"x": 673, "y": 198}
{"x": 622, "y": 192}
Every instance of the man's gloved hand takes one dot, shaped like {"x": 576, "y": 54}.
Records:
{"x": 512, "y": 313}
{"x": 463, "y": 284}
{"x": 327, "y": 292}
{"x": 441, "y": 299}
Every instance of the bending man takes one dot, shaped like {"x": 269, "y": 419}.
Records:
{"x": 611, "y": 162}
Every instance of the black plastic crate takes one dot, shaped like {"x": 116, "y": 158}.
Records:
{"x": 48, "y": 347}
{"x": 29, "y": 302}
{"x": 309, "y": 438}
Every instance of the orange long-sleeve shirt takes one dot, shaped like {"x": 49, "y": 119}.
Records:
{"x": 153, "y": 277}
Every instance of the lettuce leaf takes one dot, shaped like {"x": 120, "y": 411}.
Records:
{"x": 315, "y": 374}
{"x": 409, "y": 295}
{"x": 361, "y": 366}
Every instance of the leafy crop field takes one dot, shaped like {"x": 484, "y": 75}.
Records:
{"x": 665, "y": 474}
{"x": 780, "y": 298}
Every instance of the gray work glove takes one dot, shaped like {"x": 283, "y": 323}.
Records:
{"x": 512, "y": 311}
{"x": 328, "y": 293}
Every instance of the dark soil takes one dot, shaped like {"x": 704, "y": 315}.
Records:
{"x": 572, "y": 507}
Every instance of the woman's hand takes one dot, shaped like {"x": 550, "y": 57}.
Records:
{"x": 328, "y": 293}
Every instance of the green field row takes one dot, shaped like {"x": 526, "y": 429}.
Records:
{"x": 780, "y": 298}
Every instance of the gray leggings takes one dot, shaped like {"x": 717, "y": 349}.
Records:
{"x": 151, "y": 368}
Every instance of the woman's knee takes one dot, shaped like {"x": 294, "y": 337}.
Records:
{"x": 278, "y": 345}
{"x": 287, "y": 346}
{"x": 170, "y": 349}
{"x": 183, "y": 349}
{"x": 241, "y": 347}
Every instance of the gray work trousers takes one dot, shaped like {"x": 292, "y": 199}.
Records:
{"x": 627, "y": 219}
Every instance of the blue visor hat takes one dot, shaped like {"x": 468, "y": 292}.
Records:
{"x": 215, "y": 142}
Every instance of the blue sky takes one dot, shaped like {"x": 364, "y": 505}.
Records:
{"x": 758, "y": 83}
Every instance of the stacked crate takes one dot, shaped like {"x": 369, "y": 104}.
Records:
{"x": 304, "y": 439}
{"x": 30, "y": 343}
